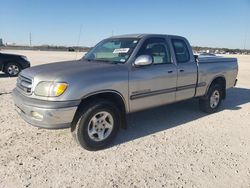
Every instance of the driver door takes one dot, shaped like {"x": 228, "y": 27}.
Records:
{"x": 153, "y": 85}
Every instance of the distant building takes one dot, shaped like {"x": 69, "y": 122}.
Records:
{"x": 1, "y": 42}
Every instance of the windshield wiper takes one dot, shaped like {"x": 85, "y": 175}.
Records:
{"x": 103, "y": 60}
{"x": 106, "y": 61}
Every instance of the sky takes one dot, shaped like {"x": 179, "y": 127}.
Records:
{"x": 212, "y": 23}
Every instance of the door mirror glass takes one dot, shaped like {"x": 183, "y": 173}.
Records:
{"x": 143, "y": 60}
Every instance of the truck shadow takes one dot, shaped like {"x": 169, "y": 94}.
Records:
{"x": 148, "y": 122}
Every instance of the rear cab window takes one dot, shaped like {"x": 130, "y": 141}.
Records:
{"x": 181, "y": 51}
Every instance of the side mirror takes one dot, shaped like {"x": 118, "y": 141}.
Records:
{"x": 143, "y": 60}
{"x": 196, "y": 58}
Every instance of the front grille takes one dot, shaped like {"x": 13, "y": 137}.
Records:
{"x": 24, "y": 84}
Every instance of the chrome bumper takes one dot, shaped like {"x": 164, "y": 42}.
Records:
{"x": 45, "y": 114}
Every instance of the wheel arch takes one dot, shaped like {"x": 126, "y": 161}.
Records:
{"x": 5, "y": 63}
{"x": 220, "y": 79}
{"x": 111, "y": 95}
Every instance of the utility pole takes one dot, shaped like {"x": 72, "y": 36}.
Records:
{"x": 30, "y": 39}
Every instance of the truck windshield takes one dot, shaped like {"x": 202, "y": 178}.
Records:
{"x": 116, "y": 50}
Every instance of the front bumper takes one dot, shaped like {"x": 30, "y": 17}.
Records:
{"x": 45, "y": 114}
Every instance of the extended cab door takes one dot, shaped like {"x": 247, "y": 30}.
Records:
{"x": 186, "y": 69}
{"x": 153, "y": 85}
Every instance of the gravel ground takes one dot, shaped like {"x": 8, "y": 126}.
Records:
{"x": 171, "y": 146}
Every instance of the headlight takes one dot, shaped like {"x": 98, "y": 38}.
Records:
{"x": 50, "y": 89}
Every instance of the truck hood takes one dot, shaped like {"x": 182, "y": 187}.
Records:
{"x": 83, "y": 77}
{"x": 66, "y": 70}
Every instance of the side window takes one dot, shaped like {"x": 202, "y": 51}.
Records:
{"x": 181, "y": 51}
{"x": 157, "y": 49}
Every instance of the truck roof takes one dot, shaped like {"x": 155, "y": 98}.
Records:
{"x": 141, "y": 35}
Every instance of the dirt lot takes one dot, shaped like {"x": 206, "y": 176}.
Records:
{"x": 172, "y": 146}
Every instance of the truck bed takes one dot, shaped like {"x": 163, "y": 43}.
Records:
{"x": 211, "y": 66}
{"x": 215, "y": 59}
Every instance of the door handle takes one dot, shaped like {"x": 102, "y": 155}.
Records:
{"x": 170, "y": 71}
{"x": 181, "y": 70}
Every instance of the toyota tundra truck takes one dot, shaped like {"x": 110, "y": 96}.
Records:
{"x": 120, "y": 75}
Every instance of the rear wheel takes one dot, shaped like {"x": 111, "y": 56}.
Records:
{"x": 12, "y": 69}
{"x": 212, "y": 101}
{"x": 97, "y": 125}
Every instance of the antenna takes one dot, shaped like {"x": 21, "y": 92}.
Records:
{"x": 112, "y": 34}
{"x": 78, "y": 40}
{"x": 245, "y": 40}
{"x": 246, "y": 28}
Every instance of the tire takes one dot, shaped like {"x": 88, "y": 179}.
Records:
{"x": 12, "y": 69}
{"x": 91, "y": 130}
{"x": 211, "y": 102}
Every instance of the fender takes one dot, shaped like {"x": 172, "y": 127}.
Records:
{"x": 217, "y": 76}
{"x": 107, "y": 91}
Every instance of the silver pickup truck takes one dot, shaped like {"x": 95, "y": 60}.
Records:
{"x": 120, "y": 75}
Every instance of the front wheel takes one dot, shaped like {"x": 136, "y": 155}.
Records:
{"x": 12, "y": 69}
{"x": 97, "y": 125}
{"x": 212, "y": 101}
